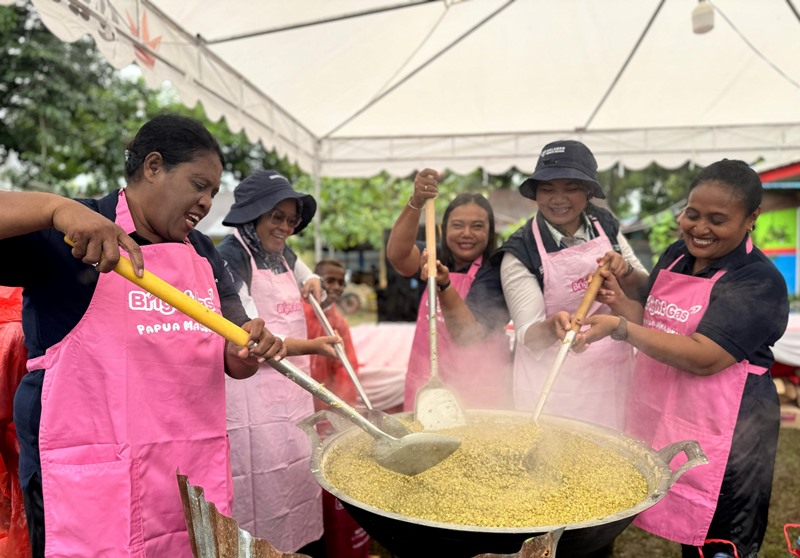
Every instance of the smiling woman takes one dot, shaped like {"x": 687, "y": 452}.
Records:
{"x": 479, "y": 374}
{"x": 262, "y": 412}
{"x": 120, "y": 393}
{"x": 540, "y": 274}
{"x": 716, "y": 219}
{"x": 702, "y": 367}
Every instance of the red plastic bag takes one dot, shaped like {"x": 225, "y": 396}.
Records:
{"x": 13, "y": 527}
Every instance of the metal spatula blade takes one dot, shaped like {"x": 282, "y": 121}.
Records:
{"x": 436, "y": 406}
{"x": 385, "y": 422}
{"x": 533, "y": 458}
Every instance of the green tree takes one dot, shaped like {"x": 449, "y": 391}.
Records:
{"x": 647, "y": 191}
{"x": 67, "y": 113}
{"x": 60, "y": 103}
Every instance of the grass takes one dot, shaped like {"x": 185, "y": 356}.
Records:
{"x": 784, "y": 508}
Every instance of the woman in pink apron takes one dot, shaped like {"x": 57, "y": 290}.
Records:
{"x": 543, "y": 271}
{"x": 715, "y": 306}
{"x": 123, "y": 391}
{"x": 275, "y": 495}
{"x": 479, "y": 374}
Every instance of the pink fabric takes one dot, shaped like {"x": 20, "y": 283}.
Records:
{"x": 383, "y": 350}
{"x": 13, "y": 355}
{"x": 480, "y": 375}
{"x": 668, "y": 405}
{"x": 131, "y": 395}
{"x": 275, "y": 496}
{"x": 592, "y": 386}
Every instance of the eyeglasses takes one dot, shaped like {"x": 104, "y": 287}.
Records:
{"x": 277, "y": 218}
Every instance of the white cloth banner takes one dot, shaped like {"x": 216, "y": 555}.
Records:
{"x": 382, "y": 351}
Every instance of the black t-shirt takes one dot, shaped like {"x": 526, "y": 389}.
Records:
{"x": 749, "y": 305}
{"x": 59, "y": 287}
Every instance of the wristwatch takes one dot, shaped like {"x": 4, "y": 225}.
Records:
{"x": 620, "y": 333}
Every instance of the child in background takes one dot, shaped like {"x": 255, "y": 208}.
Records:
{"x": 343, "y": 537}
{"x": 330, "y": 371}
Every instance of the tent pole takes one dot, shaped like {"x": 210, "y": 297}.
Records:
{"x": 317, "y": 187}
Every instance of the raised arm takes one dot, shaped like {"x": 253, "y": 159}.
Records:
{"x": 401, "y": 249}
{"x": 96, "y": 240}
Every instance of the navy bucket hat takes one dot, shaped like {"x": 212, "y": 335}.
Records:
{"x": 564, "y": 159}
{"x": 260, "y": 192}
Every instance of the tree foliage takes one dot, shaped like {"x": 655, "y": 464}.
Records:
{"x": 647, "y": 191}
{"x": 355, "y": 212}
{"x": 67, "y": 114}
{"x": 61, "y": 104}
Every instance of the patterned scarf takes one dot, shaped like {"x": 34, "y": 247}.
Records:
{"x": 264, "y": 259}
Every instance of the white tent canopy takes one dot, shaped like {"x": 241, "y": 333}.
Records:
{"x": 354, "y": 87}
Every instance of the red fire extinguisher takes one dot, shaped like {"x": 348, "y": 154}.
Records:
{"x": 343, "y": 537}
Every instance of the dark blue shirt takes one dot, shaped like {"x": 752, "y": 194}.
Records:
{"x": 59, "y": 287}
{"x": 57, "y": 291}
{"x": 749, "y": 306}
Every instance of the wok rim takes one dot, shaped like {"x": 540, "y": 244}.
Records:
{"x": 664, "y": 474}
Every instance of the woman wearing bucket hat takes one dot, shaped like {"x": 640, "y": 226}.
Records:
{"x": 275, "y": 496}
{"x": 540, "y": 273}
{"x": 543, "y": 271}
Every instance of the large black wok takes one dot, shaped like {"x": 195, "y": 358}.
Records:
{"x": 409, "y": 537}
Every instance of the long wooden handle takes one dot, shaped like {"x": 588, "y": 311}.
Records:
{"x": 580, "y": 313}
{"x": 430, "y": 237}
{"x": 235, "y": 334}
{"x": 430, "y": 245}
{"x": 589, "y": 296}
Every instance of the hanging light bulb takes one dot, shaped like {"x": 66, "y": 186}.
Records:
{"x": 703, "y": 17}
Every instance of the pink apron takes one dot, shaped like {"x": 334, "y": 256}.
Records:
{"x": 669, "y": 405}
{"x": 131, "y": 395}
{"x": 275, "y": 496}
{"x": 593, "y": 385}
{"x": 478, "y": 374}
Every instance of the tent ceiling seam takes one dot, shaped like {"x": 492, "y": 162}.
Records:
{"x": 623, "y": 68}
{"x": 793, "y": 9}
{"x": 418, "y": 69}
{"x": 200, "y": 45}
{"x": 598, "y": 152}
{"x": 408, "y": 59}
{"x": 595, "y": 131}
{"x": 315, "y": 22}
{"x": 757, "y": 52}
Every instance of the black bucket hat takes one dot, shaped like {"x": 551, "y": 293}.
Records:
{"x": 564, "y": 159}
{"x": 261, "y": 192}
